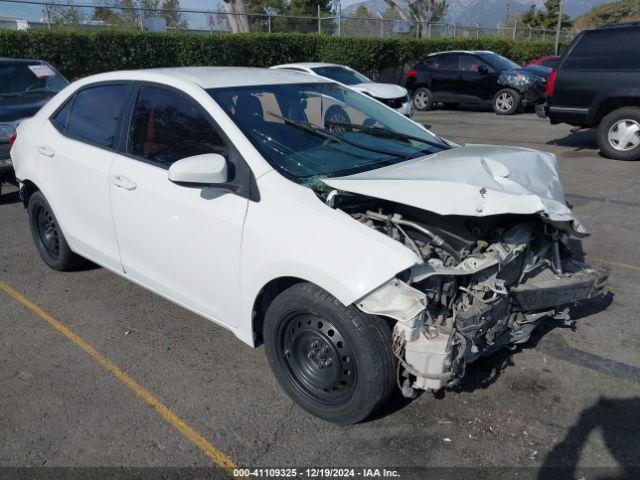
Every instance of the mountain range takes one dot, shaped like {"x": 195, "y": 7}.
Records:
{"x": 486, "y": 12}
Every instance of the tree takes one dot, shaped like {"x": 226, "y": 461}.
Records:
{"x": 428, "y": 11}
{"x": 170, "y": 11}
{"x": 361, "y": 24}
{"x": 309, "y": 8}
{"x": 65, "y": 14}
{"x": 615, "y": 12}
{"x": 546, "y": 19}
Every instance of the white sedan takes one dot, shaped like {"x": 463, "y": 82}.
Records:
{"x": 363, "y": 254}
{"x": 390, "y": 94}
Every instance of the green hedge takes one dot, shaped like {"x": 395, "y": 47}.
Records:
{"x": 79, "y": 53}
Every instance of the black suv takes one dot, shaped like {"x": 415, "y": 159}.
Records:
{"x": 474, "y": 77}
{"x": 25, "y": 86}
{"x": 597, "y": 84}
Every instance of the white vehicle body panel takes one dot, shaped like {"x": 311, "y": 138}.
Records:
{"x": 183, "y": 242}
{"x": 290, "y": 233}
{"x": 476, "y": 180}
{"x": 381, "y": 90}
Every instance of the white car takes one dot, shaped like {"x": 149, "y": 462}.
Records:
{"x": 362, "y": 255}
{"x": 392, "y": 95}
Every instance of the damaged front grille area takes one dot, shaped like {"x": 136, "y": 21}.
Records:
{"x": 481, "y": 286}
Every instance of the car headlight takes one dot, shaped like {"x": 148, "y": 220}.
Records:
{"x": 6, "y": 131}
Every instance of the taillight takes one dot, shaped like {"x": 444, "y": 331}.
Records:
{"x": 12, "y": 138}
{"x": 411, "y": 73}
{"x": 551, "y": 83}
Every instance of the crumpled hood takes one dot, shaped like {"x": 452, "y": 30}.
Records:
{"x": 381, "y": 90}
{"x": 474, "y": 180}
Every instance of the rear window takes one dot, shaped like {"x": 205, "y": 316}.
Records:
{"x": 96, "y": 113}
{"x": 23, "y": 79}
{"x": 609, "y": 49}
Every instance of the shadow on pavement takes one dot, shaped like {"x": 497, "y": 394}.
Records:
{"x": 582, "y": 139}
{"x": 617, "y": 421}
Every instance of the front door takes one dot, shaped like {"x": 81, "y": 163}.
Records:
{"x": 479, "y": 80}
{"x": 181, "y": 241}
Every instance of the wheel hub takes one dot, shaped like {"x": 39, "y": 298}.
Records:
{"x": 625, "y": 135}
{"x": 504, "y": 102}
{"x": 317, "y": 358}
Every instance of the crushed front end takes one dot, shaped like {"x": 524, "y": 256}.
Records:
{"x": 484, "y": 283}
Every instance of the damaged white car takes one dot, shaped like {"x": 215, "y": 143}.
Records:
{"x": 365, "y": 255}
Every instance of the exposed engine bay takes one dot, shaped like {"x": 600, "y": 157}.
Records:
{"x": 484, "y": 282}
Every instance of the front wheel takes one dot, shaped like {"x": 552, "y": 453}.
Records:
{"x": 334, "y": 361}
{"x": 619, "y": 134}
{"x": 423, "y": 99}
{"x": 506, "y": 102}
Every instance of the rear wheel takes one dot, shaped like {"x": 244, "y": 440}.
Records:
{"x": 334, "y": 361}
{"x": 48, "y": 237}
{"x": 422, "y": 99}
{"x": 619, "y": 134}
{"x": 506, "y": 102}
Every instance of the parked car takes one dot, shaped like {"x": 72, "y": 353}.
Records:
{"x": 475, "y": 77}
{"x": 360, "y": 254}
{"x": 596, "y": 85}
{"x": 550, "y": 61}
{"x": 25, "y": 86}
{"x": 390, "y": 94}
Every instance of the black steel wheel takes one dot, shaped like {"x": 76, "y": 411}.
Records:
{"x": 334, "y": 361}
{"x": 48, "y": 236}
{"x": 46, "y": 231}
{"x": 316, "y": 358}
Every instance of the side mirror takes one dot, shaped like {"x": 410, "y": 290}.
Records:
{"x": 483, "y": 69}
{"x": 207, "y": 169}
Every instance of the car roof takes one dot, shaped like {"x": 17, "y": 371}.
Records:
{"x": 211, "y": 77}
{"x": 619, "y": 25}
{"x": 19, "y": 60}
{"x": 307, "y": 65}
{"x": 462, "y": 51}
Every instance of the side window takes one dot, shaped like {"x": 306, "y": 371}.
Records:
{"x": 167, "y": 126}
{"x": 447, "y": 62}
{"x": 61, "y": 119}
{"x": 470, "y": 63}
{"x": 96, "y": 113}
{"x": 609, "y": 49}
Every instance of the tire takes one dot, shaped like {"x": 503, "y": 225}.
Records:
{"x": 610, "y": 134}
{"x": 422, "y": 99}
{"x": 47, "y": 235}
{"x": 335, "y": 113}
{"x": 334, "y": 361}
{"x": 506, "y": 102}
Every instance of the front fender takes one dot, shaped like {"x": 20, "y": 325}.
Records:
{"x": 292, "y": 233}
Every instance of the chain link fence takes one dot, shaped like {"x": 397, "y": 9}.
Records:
{"x": 28, "y": 14}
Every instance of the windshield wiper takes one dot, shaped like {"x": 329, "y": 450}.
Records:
{"x": 314, "y": 129}
{"x": 383, "y": 132}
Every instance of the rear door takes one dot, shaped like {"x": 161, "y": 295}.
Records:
{"x": 445, "y": 75}
{"x": 76, "y": 149}
{"x": 181, "y": 241}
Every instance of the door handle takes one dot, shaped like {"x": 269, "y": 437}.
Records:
{"x": 123, "y": 182}
{"x": 46, "y": 151}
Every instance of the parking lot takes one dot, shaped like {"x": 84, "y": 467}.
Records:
{"x": 96, "y": 371}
